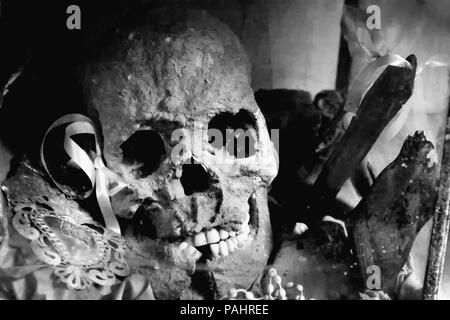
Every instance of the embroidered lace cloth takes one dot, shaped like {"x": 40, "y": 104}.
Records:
{"x": 51, "y": 248}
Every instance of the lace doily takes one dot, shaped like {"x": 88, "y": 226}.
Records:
{"x": 81, "y": 251}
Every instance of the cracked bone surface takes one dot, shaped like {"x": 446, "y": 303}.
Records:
{"x": 183, "y": 70}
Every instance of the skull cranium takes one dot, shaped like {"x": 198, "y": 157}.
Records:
{"x": 179, "y": 74}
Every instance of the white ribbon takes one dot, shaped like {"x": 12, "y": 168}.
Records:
{"x": 99, "y": 175}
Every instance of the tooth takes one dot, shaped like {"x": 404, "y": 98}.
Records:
{"x": 245, "y": 228}
{"x": 234, "y": 242}
{"x": 183, "y": 245}
{"x": 212, "y": 236}
{"x": 191, "y": 251}
{"x": 223, "y": 248}
{"x": 232, "y": 234}
{"x": 197, "y": 255}
{"x": 230, "y": 244}
{"x": 198, "y": 228}
{"x": 241, "y": 239}
{"x": 214, "y": 249}
{"x": 223, "y": 234}
{"x": 200, "y": 239}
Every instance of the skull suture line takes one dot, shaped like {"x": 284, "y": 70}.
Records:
{"x": 178, "y": 72}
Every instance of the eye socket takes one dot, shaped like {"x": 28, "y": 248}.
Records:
{"x": 235, "y": 132}
{"x": 145, "y": 150}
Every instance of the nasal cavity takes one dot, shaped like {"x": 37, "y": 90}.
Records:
{"x": 195, "y": 178}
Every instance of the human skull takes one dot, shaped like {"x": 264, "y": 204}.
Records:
{"x": 155, "y": 89}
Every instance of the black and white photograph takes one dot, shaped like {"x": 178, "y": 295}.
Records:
{"x": 236, "y": 151}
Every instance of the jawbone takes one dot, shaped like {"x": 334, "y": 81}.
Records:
{"x": 207, "y": 264}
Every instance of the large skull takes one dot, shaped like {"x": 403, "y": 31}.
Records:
{"x": 185, "y": 72}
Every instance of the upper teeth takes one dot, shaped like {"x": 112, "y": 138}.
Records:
{"x": 245, "y": 228}
{"x": 223, "y": 234}
{"x": 222, "y": 242}
{"x": 200, "y": 239}
{"x": 212, "y": 236}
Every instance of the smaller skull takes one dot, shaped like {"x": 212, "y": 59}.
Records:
{"x": 156, "y": 89}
